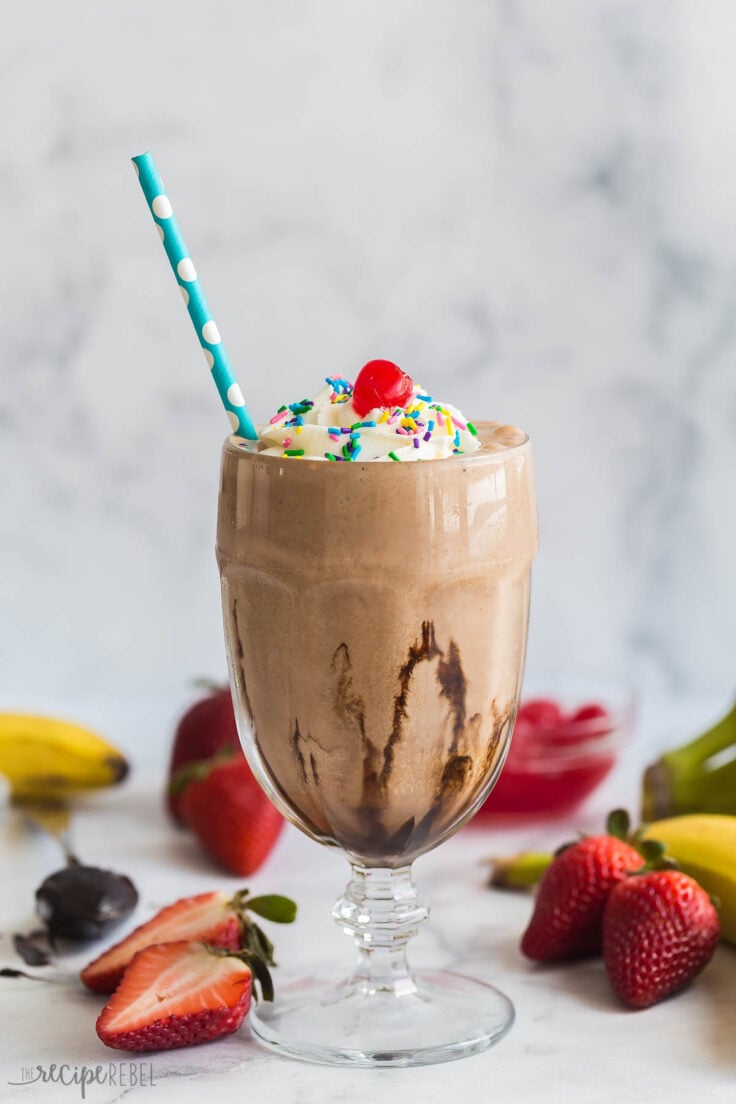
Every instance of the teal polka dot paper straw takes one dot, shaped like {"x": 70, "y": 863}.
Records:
{"x": 183, "y": 267}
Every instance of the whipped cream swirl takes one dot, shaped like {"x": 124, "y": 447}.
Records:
{"x": 328, "y": 427}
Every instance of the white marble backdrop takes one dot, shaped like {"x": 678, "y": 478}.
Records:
{"x": 529, "y": 205}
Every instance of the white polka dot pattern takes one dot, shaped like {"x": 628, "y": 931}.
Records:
{"x": 161, "y": 207}
{"x": 210, "y": 333}
{"x": 235, "y": 395}
{"x": 185, "y": 270}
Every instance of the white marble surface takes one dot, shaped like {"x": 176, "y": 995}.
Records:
{"x": 529, "y": 205}
{"x": 571, "y": 1041}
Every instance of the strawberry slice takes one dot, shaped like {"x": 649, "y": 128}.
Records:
{"x": 175, "y": 995}
{"x": 208, "y": 917}
{"x": 212, "y": 918}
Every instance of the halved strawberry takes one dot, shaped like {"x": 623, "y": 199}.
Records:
{"x": 174, "y": 995}
{"x": 213, "y": 918}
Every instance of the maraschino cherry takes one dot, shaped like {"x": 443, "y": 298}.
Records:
{"x": 381, "y": 383}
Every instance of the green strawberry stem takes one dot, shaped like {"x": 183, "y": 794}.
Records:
{"x": 521, "y": 871}
{"x": 685, "y": 781}
{"x": 253, "y": 940}
{"x": 256, "y": 949}
{"x": 211, "y": 685}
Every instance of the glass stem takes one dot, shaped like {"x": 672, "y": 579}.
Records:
{"x": 382, "y": 910}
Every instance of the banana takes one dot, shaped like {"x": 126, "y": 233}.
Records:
{"x": 46, "y": 759}
{"x": 704, "y": 845}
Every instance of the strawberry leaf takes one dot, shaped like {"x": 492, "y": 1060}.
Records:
{"x": 212, "y": 685}
{"x": 196, "y": 771}
{"x": 260, "y": 974}
{"x": 255, "y": 939}
{"x": 281, "y": 910}
{"x": 652, "y": 850}
{"x": 618, "y": 824}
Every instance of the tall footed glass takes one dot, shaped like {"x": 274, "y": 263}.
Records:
{"x": 375, "y": 621}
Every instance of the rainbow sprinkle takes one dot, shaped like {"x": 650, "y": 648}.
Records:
{"x": 418, "y": 421}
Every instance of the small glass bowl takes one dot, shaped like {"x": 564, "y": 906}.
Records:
{"x": 552, "y": 768}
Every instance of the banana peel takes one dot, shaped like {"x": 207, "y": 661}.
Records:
{"x": 44, "y": 759}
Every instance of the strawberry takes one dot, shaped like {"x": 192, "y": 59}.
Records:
{"x": 540, "y": 713}
{"x": 211, "y": 918}
{"x": 659, "y": 930}
{"x": 205, "y": 730}
{"x": 235, "y": 821}
{"x": 590, "y": 712}
{"x": 174, "y": 995}
{"x": 555, "y": 760}
{"x": 568, "y": 911}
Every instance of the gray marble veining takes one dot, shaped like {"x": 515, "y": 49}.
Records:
{"x": 527, "y": 205}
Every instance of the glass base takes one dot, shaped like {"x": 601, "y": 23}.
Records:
{"x": 435, "y": 1016}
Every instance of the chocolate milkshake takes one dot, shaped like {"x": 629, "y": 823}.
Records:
{"x": 376, "y": 614}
